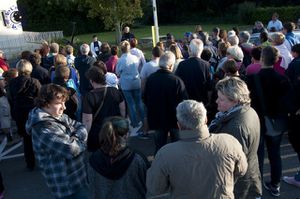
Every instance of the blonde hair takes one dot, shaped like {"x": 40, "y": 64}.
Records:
{"x": 278, "y": 38}
{"x": 125, "y": 46}
{"x": 177, "y": 52}
{"x": 24, "y": 67}
{"x": 60, "y": 60}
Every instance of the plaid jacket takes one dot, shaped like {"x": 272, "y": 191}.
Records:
{"x": 59, "y": 145}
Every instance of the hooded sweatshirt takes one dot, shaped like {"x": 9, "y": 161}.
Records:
{"x": 122, "y": 176}
{"x": 58, "y": 144}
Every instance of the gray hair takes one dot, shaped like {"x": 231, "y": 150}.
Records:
{"x": 54, "y": 48}
{"x": 191, "y": 114}
{"x": 24, "y": 67}
{"x": 235, "y": 52}
{"x": 196, "y": 47}
{"x": 235, "y": 89}
{"x": 233, "y": 40}
{"x": 84, "y": 49}
{"x": 244, "y": 36}
{"x": 167, "y": 60}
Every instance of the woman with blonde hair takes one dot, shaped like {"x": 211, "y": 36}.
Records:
{"x": 178, "y": 55}
{"x": 285, "y": 57}
{"x": 117, "y": 171}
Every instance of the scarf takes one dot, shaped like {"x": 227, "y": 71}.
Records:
{"x": 220, "y": 116}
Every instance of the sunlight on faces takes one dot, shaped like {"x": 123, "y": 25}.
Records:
{"x": 224, "y": 103}
{"x": 57, "y": 106}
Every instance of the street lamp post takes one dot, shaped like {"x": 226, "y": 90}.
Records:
{"x": 155, "y": 21}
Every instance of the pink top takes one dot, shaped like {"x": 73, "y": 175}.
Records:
{"x": 111, "y": 63}
{"x": 253, "y": 69}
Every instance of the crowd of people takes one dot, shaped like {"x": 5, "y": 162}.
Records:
{"x": 220, "y": 98}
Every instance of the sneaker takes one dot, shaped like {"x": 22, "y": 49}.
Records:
{"x": 291, "y": 180}
{"x": 273, "y": 189}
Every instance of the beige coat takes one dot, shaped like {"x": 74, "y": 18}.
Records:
{"x": 200, "y": 165}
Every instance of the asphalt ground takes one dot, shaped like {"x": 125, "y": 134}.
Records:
{"x": 23, "y": 184}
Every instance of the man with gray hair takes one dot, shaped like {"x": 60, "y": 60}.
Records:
{"x": 163, "y": 92}
{"x": 82, "y": 63}
{"x": 200, "y": 164}
{"x": 195, "y": 73}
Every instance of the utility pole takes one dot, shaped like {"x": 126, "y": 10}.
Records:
{"x": 155, "y": 21}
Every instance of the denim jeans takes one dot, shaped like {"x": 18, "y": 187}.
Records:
{"x": 82, "y": 193}
{"x": 273, "y": 149}
{"x": 135, "y": 106}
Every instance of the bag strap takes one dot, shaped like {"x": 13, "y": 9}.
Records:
{"x": 98, "y": 110}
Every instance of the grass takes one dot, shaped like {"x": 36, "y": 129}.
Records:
{"x": 145, "y": 31}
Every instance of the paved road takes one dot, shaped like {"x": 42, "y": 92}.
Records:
{"x": 21, "y": 183}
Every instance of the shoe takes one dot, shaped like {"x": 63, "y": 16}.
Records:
{"x": 273, "y": 189}
{"x": 291, "y": 180}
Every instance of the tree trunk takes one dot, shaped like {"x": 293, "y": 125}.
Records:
{"x": 118, "y": 32}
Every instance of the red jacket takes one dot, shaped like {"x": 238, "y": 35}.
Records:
{"x": 3, "y": 65}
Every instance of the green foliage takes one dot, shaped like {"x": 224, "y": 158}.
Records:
{"x": 287, "y": 13}
{"x": 245, "y": 10}
{"x": 115, "y": 11}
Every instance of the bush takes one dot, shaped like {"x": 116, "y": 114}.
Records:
{"x": 245, "y": 10}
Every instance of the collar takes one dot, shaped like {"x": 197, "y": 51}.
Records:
{"x": 202, "y": 133}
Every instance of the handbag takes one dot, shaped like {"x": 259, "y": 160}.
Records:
{"x": 275, "y": 126}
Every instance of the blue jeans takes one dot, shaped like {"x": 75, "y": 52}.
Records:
{"x": 82, "y": 193}
{"x": 135, "y": 106}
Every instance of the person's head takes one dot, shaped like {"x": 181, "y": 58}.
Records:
{"x": 26, "y": 54}
{"x": 105, "y": 48}
{"x": 236, "y": 53}
{"x": 191, "y": 115}
{"x": 288, "y": 27}
{"x": 95, "y": 38}
{"x": 156, "y": 52}
{"x": 259, "y": 25}
{"x": 256, "y": 53}
{"x": 10, "y": 74}
{"x": 232, "y": 91}
{"x": 114, "y": 50}
{"x": 230, "y": 68}
{"x": 233, "y": 40}
{"x": 195, "y": 48}
{"x": 84, "y": 49}
{"x": 222, "y": 48}
{"x": 223, "y": 34}
{"x": 206, "y": 54}
{"x": 295, "y": 50}
{"x": 269, "y": 56}
{"x": 62, "y": 73}
{"x": 244, "y": 37}
{"x": 52, "y": 98}
{"x": 101, "y": 65}
{"x": 275, "y": 16}
{"x": 215, "y": 31}
{"x": 60, "y": 60}
{"x": 263, "y": 37}
{"x": 133, "y": 42}
{"x": 126, "y": 29}
{"x": 54, "y": 48}
{"x": 236, "y": 30}
{"x": 231, "y": 33}
{"x": 177, "y": 52}
{"x": 113, "y": 135}
{"x": 161, "y": 45}
{"x": 125, "y": 46}
{"x": 24, "y": 67}
{"x": 96, "y": 75}
{"x": 167, "y": 61}
{"x": 69, "y": 50}
{"x": 198, "y": 28}
{"x": 35, "y": 59}
{"x": 277, "y": 38}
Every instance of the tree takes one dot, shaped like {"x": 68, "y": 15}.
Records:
{"x": 115, "y": 13}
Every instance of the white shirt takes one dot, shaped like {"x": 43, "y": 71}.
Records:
{"x": 140, "y": 55}
{"x": 277, "y": 24}
{"x": 93, "y": 50}
{"x": 149, "y": 68}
